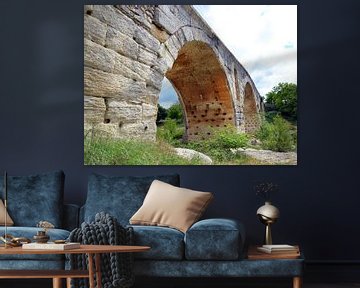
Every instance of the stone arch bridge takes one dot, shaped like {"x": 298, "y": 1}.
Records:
{"x": 129, "y": 49}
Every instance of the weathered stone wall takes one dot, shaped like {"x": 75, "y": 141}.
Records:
{"x": 128, "y": 49}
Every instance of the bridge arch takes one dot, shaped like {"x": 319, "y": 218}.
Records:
{"x": 251, "y": 115}
{"x": 203, "y": 90}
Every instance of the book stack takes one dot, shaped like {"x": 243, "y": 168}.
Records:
{"x": 51, "y": 246}
{"x": 282, "y": 251}
{"x": 279, "y": 249}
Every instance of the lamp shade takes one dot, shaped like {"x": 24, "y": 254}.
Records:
{"x": 268, "y": 211}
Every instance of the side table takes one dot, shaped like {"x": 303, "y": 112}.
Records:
{"x": 255, "y": 255}
{"x": 93, "y": 251}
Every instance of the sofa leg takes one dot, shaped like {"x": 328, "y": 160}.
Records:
{"x": 57, "y": 283}
{"x": 68, "y": 282}
{"x": 297, "y": 282}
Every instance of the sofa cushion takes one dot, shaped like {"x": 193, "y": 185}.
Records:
{"x": 169, "y": 206}
{"x": 214, "y": 239}
{"x": 35, "y": 198}
{"x": 165, "y": 243}
{"x": 120, "y": 196}
{"x": 29, "y": 232}
{"x": 9, "y": 221}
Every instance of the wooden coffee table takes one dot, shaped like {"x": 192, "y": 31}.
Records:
{"x": 92, "y": 251}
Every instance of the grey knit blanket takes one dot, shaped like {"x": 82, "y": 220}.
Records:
{"x": 116, "y": 268}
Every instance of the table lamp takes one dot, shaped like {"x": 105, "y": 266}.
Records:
{"x": 268, "y": 214}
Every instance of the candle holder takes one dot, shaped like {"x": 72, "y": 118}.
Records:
{"x": 4, "y": 238}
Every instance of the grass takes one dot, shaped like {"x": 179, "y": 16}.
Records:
{"x": 275, "y": 134}
{"x": 104, "y": 151}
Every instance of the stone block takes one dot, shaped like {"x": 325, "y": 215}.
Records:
{"x": 165, "y": 19}
{"x": 128, "y": 67}
{"x": 146, "y": 39}
{"x": 187, "y": 32}
{"x": 133, "y": 69}
{"x": 121, "y": 43}
{"x": 94, "y": 30}
{"x": 107, "y": 130}
{"x": 94, "y": 110}
{"x": 138, "y": 71}
{"x": 202, "y": 36}
{"x": 179, "y": 34}
{"x": 142, "y": 14}
{"x": 159, "y": 33}
{"x": 147, "y": 57}
{"x": 146, "y": 130}
{"x": 166, "y": 60}
{"x": 173, "y": 46}
{"x": 155, "y": 79}
{"x": 98, "y": 57}
{"x": 94, "y": 103}
{"x": 114, "y": 18}
{"x": 122, "y": 111}
{"x": 99, "y": 83}
{"x": 149, "y": 111}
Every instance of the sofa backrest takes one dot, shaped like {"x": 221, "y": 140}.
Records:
{"x": 35, "y": 198}
{"x": 120, "y": 196}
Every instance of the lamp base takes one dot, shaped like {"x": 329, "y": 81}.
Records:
{"x": 268, "y": 237}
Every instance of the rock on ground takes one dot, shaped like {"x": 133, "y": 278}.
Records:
{"x": 190, "y": 154}
{"x": 270, "y": 157}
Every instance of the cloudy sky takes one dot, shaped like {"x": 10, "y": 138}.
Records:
{"x": 262, "y": 37}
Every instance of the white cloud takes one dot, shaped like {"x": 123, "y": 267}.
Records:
{"x": 262, "y": 37}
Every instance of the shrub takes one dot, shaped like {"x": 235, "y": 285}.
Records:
{"x": 277, "y": 135}
{"x": 218, "y": 146}
{"x": 170, "y": 131}
{"x": 228, "y": 138}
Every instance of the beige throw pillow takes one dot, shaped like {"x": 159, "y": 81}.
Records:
{"x": 9, "y": 221}
{"x": 170, "y": 206}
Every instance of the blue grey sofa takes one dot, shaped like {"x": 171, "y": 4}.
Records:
{"x": 210, "y": 248}
{"x": 32, "y": 199}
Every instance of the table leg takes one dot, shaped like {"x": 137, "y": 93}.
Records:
{"x": 57, "y": 283}
{"x": 68, "y": 282}
{"x": 297, "y": 282}
{"x": 98, "y": 270}
{"x": 91, "y": 270}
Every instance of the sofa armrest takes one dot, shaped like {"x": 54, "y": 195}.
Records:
{"x": 215, "y": 239}
{"x": 71, "y": 216}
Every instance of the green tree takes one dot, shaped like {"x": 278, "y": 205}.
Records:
{"x": 175, "y": 112}
{"x": 284, "y": 98}
{"x": 161, "y": 114}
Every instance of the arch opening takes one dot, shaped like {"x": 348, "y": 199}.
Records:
{"x": 252, "y": 120}
{"x": 203, "y": 91}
